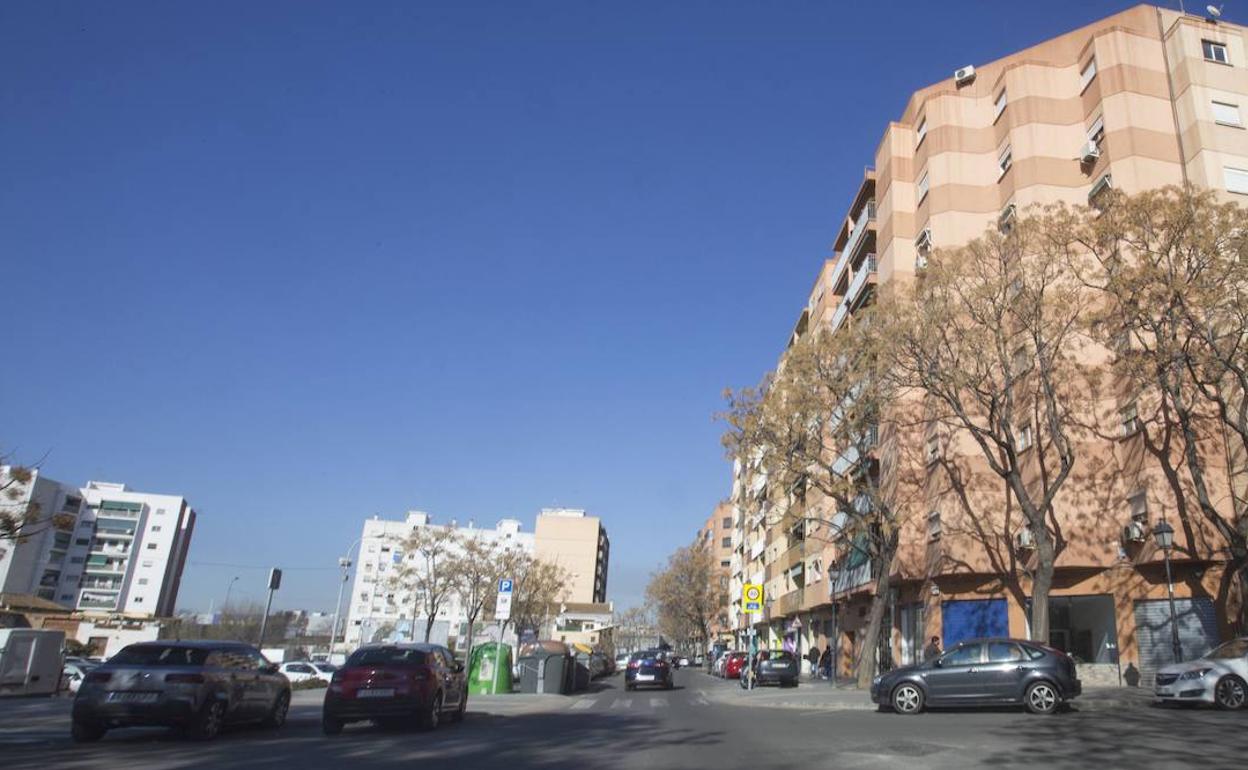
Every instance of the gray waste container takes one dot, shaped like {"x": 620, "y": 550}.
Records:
{"x": 551, "y": 663}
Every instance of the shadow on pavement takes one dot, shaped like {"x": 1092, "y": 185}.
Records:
{"x": 544, "y": 740}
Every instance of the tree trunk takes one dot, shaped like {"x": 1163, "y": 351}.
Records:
{"x": 871, "y": 636}
{"x": 429, "y": 625}
{"x": 1041, "y": 585}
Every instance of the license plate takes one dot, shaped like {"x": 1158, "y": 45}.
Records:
{"x": 132, "y": 697}
{"x": 645, "y": 677}
{"x": 1164, "y": 693}
{"x": 380, "y": 692}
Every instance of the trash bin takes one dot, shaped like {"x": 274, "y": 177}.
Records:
{"x": 551, "y": 663}
{"x": 486, "y": 662}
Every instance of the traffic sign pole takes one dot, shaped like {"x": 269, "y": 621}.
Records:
{"x": 502, "y": 612}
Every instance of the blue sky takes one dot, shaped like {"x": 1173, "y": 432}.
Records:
{"x": 305, "y": 262}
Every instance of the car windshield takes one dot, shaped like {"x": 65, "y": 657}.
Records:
{"x": 387, "y": 656}
{"x": 783, "y": 656}
{"x": 327, "y": 667}
{"x": 1236, "y": 648}
{"x": 160, "y": 655}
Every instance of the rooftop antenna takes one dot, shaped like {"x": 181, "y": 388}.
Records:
{"x": 1215, "y": 11}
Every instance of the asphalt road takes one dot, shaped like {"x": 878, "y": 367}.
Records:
{"x": 689, "y": 727}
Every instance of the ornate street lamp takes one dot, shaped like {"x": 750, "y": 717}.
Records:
{"x": 1163, "y": 533}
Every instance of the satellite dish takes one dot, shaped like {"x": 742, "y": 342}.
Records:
{"x": 1214, "y": 10}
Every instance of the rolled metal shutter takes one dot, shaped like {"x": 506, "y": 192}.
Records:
{"x": 1198, "y": 632}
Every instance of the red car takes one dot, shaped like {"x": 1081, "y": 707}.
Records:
{"x": 396, "y": 684}
{"x": 735, "y": 664}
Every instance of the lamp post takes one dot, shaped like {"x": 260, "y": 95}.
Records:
{"x": 1163, "y": 533}
{"x": 226, "y": 606}
{"x": 345, "y": 563}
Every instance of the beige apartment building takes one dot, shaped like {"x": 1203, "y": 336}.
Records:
{"x": 578, "y": 543}
{"x": 1142, "y": 99}
{"x": 716, "y": 536}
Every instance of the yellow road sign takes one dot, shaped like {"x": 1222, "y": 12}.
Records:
{"x": 752, "y": 597}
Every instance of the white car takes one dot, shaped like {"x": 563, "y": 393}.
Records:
{"x": 73, "y": 674}
{"x": 302, "y": 671}
{"x": 1219, "y": 678}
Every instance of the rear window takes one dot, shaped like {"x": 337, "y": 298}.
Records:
{"x": 160, "y": 655}
{"x": 388, "y": 656}
{"x": 784, "y": 656}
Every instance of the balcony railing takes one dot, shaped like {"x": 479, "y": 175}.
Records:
{"x": 98, "y": 603}
{"x": 860, "y": 279}
{"x": 860, "y": 228}
{"x": 842, "y": 580}
{"x": 838, "y": 318}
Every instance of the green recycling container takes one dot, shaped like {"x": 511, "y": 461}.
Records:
{"x": 486, "y": 659}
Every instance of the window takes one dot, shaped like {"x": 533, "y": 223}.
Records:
{"x": 921, "y": 189}
{"x": 75, "y": 560}
{"x": 147, "y": 564}
{"x": 1104, "y": 184}
{"x": 1022, "y": 361}
{"x": 1096, "y": 132}
{"x": 933, "y": 525}
{"x": 160, "y": 511}
{"x": 1129, "y": 418}
{"x": 1086, "y": 74}
{"x": 1139, "y": 505}
{"x": 1005, "y": 220}
{"x": 920, "y": 132}
{"x": 726, "y": 542}
{"x": 1226, "y": 114}
{"x": 155, "y": 529}
{"x": 999, "y": 106}
{"x": 83, "y": 541}
{"x": 1024, "y": 438}
{"x": 933, "y": 449}
{"x": 1236, "y": 179}
{"x": 1003, "y": 652}
{"x": 965, "y": 655}
{"x": 151, "y": 546}
{"x": 727, "y": 522}
{"x": 67, "y": 597}
{"x": 725, "y": 563}
{"x": 142, "y": 581}
{"x": 1215, "y": 52}
{"x": 1004, "y": 161}
{"x": 138, "y": 600}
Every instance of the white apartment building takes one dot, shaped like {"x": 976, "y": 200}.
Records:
{"x": 116, "y": 551}
{"x": 379, "y": 610}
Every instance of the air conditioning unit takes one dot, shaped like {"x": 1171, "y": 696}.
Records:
{"x": 1006, "y": 220}
{"x": 1023, "y": 539}
{"x": 964, "y": 75}
{"x": 1090, "y": 152}
{"x": 1134, "y": 532}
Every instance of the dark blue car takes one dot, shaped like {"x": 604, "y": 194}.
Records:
{"x": 647, "y": 669}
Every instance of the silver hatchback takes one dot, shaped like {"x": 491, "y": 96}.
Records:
{"x": 198, "y": 686}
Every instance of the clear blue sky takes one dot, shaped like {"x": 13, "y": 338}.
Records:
{"x": 304, "y": 262}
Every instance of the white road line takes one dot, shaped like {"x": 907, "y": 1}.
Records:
{"x": 700, "y": 700}
{"x": 658, "y": 703}
{"x": 623, "y": 703}
{"x": 582, "y": 705}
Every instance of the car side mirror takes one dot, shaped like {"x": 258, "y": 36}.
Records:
{"x": 272, "y": 668}
{"x": 938, "y": 663}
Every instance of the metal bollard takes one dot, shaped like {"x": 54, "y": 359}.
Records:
{"x": 541, "y": 676}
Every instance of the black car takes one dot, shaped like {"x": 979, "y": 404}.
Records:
{"x": 199, "y": 686}
{"x": 779, "y": 667}
{"x": 648, "y": 668}
{"x": 982, "y": 672}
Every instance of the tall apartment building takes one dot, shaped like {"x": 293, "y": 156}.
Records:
{"x": 116, "y": 551}
{"x": 716, "y": 536}
{"x": 377, "y": 606}
{"x": 578, "y": 543}
{"x": 1142, "y": 99}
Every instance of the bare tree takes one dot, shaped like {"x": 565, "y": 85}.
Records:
{"x": 431, "y": 570}
{"x": 538, "y": 588}
{"x": 688, "y": 594}
{"x": 482, "y": 565}
{"x": 20, "y": 516}
{"x": 990, "y": 333}
{"x": 633, "y": 626}
{"x": 1172, "y": 265}
{"x": 825, "y": 429}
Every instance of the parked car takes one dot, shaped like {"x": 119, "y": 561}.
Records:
{"x": 779, "y": 667}
{"x": 1219, "y": 678}
{"x": 648, "y": 668}
{"x": 199, "y": 686}
{"x": 684, "y": 660}
{"x": 621, "y": 663}
{"x": 304, "y": 671}
{"x": 734, "y": 664}
{"x": 982, "y": 672}
{"x": 717, "y": 665}
{"x": 73, "y": 673}
{"x": 395, "y": 684}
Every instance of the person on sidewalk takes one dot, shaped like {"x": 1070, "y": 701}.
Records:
{"x": 813, "y": 657}
{"x": 825, "y": 663}
{"x": 932, "y": 650}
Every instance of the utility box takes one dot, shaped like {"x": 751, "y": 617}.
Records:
{"x": 488, "y": 661}
{"x": 31, "y": 661}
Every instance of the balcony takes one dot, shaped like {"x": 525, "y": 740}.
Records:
{"x": 851, "y": 577}
{"x": 862, "y": 277}
{"x": 859, "y": 233}
{"x": 838, "y": 318}
{"x": 97, "y": 603}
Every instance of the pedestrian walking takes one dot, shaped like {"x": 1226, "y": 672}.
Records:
{"x": 932, "y": 650}
{"x": 813, "y": 657}
{"x": 825, "y": 663}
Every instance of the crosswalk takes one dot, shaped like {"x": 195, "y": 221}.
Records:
{"x": 615, "y": 702}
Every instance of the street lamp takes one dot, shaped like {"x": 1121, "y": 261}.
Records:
{"x": 226, "y": 607}
{"x": 345, "y": 563}
{"x": 1163, "y": 533}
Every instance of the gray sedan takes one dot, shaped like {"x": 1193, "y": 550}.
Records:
{"x": 197, "y": 686}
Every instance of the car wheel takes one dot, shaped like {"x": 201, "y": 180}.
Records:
{"x": 1230, "y": 693}
{"x": 670, "y": 684}
{"x": 209, "y": 721}
{"x": 331, "y": 726}
{"x": 458, "y": 716}
{"x": 1042, "y": 698}
{"x": 908, "y": 698}
{"x": 86, "y": 732}
{"x": 277, "y": 715}
{"x": 433, "y": 716}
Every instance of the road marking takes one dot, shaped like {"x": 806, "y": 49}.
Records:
{"x": 582, "y": 705}
{"x": 700, "y": 700}
{"x": 658, "y": 703}
{"x": 622, "y": 703}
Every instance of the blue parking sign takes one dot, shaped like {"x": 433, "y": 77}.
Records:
{"x": 504, "y": 586}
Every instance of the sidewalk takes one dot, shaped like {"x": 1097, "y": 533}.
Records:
{"x": 815, "y": 695}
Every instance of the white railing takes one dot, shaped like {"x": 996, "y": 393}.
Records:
{"x": 860, "y": 279}
{"x": 860, "y": 228}
{"x": 838, "y": 318}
